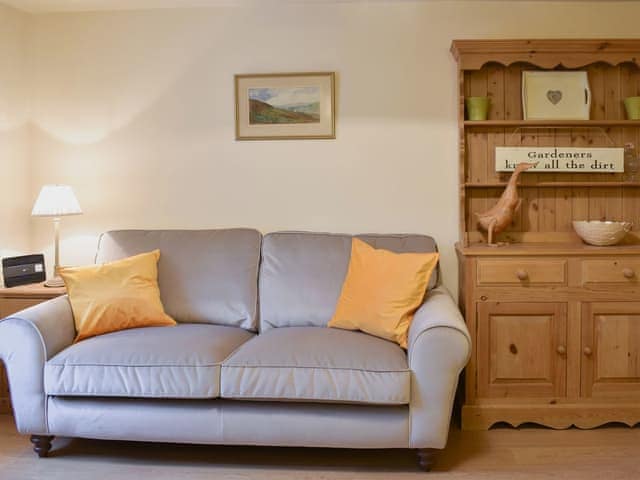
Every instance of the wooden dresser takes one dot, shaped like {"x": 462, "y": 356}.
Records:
{"x": 13, "y": 300}
{"x": 555, "y": 323}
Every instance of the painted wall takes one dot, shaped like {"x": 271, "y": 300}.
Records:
{"x": 135, "y": 110}
{"x": 14, "y": 153}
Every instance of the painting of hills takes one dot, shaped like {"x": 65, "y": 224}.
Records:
{"x": 284, "y": 105}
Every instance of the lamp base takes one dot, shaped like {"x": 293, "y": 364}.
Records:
{"x": 55, "y": 282}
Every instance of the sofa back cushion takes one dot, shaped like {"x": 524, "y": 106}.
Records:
{"x": 205, "y": 276}
{"x": 301, "y": 274}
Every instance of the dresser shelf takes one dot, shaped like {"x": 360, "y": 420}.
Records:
{"x": 548, "y": 248}
{"x": 558, "y": 185}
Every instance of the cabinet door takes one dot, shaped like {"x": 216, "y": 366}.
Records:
{"x": 611, "y": 350}
{"x": 522, "y": 350}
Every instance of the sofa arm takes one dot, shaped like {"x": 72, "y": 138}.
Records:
{"x": 439, "y": 347}
{"x": 27, "y": 340}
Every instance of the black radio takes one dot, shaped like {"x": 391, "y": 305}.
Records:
{"x": 22, "y": 270}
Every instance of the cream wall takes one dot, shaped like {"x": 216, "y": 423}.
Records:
{"x": 14, "y": 154}
{"x": 135, "y": 110}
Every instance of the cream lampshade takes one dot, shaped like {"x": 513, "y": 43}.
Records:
{"x": 56, "y": 201}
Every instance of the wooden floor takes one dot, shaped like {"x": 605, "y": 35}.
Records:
{"x": 528, "y": 453}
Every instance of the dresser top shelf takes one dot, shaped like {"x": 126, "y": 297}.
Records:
{"x": 533, "y": 249}
{"x": 473, "y": 54}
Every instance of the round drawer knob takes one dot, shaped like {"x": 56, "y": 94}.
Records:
{"x": 522, "y": 274}
{"x": 587, "y": 351}
{"x": 628, "y": 273}
{"x": 561, "y": 350}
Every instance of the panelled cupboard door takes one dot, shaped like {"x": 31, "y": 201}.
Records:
{"x": 611, "y": 350}
{"x": 522, "y": 349}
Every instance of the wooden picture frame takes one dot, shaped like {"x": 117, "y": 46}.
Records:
{"x": 285, "y": 106}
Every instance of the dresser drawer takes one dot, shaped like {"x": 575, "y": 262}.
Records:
{"x": 611, "y": 270}
{"x": 521, "y": 271}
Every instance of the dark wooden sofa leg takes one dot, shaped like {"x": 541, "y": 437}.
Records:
{"x": 41, "y": 444}
{"x": 427, "y": 458}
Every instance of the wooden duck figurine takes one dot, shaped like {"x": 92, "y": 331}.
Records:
{"x": 500, "y": 216}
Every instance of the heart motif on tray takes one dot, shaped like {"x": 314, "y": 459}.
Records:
{"x": 554, "y": 96}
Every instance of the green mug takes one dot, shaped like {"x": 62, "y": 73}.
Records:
{"x": 632, "y": 104}
{"x": 477, "y": 108}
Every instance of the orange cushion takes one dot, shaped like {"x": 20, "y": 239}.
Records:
{"x": 382, "y": 291}
{"x": 116, "y": 296}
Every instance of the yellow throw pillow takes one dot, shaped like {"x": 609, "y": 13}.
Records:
{"x": 382, "y": 291}
{"x": 116, "y": 296}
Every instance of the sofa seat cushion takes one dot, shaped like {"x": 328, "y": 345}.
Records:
{"x": 157, "y": 362}
{"x": 317, "y": 364}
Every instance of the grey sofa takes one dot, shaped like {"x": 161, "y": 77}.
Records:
{"x": 251, "y": 361}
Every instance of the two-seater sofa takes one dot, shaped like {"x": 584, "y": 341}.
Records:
{"x": 251, "y": 361}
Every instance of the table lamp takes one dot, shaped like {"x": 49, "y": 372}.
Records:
{"x": 56, "y": 201}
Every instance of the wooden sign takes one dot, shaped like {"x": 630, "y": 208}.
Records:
{"x": 561, "y": 159}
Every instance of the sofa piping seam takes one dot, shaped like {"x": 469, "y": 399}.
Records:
{"x": 129, "y": 366}
{"x": 224, "y": 366}
{"x": 128, "y": 396}
{"x": 298, "y": 397}
{"x": 317, "y": 368}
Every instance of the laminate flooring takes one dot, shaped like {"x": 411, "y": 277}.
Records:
{"x": 607, "y": 453}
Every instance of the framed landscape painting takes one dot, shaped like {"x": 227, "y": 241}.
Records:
{"x": 285, "y": 106}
